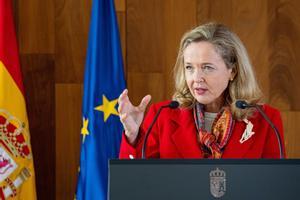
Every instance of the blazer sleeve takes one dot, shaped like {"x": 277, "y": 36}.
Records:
{"x": 128, "y": 151}
{"x": 271, "y": 147}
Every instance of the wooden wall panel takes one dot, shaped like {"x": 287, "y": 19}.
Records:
{"x": 154, "y": 29}
{"x": 143, "y": 84}
{"x": 38, "y": 78}
{"x": 291, "y": 121}
{"x": 36, "y": 26}
{"x": 71, "y": 32}
{"x": 284, "y": 60}
{"x": 145, "y": 36}
{"x": 68, "y": 124}
{"x": 214, "y": 10}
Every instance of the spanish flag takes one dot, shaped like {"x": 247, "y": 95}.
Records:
{"x": 17, "y": 179}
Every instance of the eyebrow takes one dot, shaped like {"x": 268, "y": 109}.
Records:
{"x": 206, "y": 63}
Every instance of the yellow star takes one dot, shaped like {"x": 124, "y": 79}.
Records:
{"x": 84, "y": 129}
{"x": 108, "y": 107}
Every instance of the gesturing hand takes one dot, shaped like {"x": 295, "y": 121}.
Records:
{"x": 131, "y": 116}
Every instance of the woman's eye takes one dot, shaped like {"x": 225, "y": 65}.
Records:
{"x": 188, "y": 67}
{"x": 208, "y": 68}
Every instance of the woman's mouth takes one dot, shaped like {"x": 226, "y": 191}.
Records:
{"x": 200, "y": 91}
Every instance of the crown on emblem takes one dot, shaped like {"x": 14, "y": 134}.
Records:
{"x": 217, "y": 173}
{"x": 12, "y": 135}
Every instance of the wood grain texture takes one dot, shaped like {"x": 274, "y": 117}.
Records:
{"x": 145, "y": 36}
{"x": 36, "y": 26}
{"x": 141, "y": 84}
{"x": 154, "y": 29}
{"x": 68, "y": 98}
{"x": 71, "y": 35}
{"x": 291, "y": 124}
{"x": 38, "y": 78}
{"x": 284, "y": 60}
{"x": 214, "y": 10}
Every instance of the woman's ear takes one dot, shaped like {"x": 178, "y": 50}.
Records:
{"x": 233, "y": 73}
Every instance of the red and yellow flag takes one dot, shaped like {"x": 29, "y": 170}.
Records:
{"x": 17, "y": 179}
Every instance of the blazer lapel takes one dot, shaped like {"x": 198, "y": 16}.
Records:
{"x": 184, "y": 135}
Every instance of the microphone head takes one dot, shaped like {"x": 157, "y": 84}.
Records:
{"x": 173, "y": 104}
{"x": 241, "y": 104}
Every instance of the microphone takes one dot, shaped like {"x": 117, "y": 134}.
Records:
{"x": 172, "y": 105}
{"x": 241, "y": 104}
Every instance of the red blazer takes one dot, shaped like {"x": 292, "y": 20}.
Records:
{"x": 174, "y": 136}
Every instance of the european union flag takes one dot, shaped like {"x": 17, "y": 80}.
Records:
{"x": 103, "y": 83}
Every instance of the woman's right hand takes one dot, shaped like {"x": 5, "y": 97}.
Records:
{"x": 131, "y": 116}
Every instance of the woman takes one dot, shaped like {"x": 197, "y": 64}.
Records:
{"x": 212, "y": 72}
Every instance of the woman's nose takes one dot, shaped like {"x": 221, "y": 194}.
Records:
{"x": 199, "y": 76}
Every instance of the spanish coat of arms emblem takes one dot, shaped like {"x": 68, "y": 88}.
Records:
{"x": 217, "y": 183}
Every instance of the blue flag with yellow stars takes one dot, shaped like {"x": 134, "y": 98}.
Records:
{"x": 103, "y": 83}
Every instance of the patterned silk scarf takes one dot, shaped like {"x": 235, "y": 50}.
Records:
{"x": 212, "y": 144}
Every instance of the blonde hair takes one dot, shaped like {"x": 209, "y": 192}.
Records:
{"x": 244, "y": 85}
